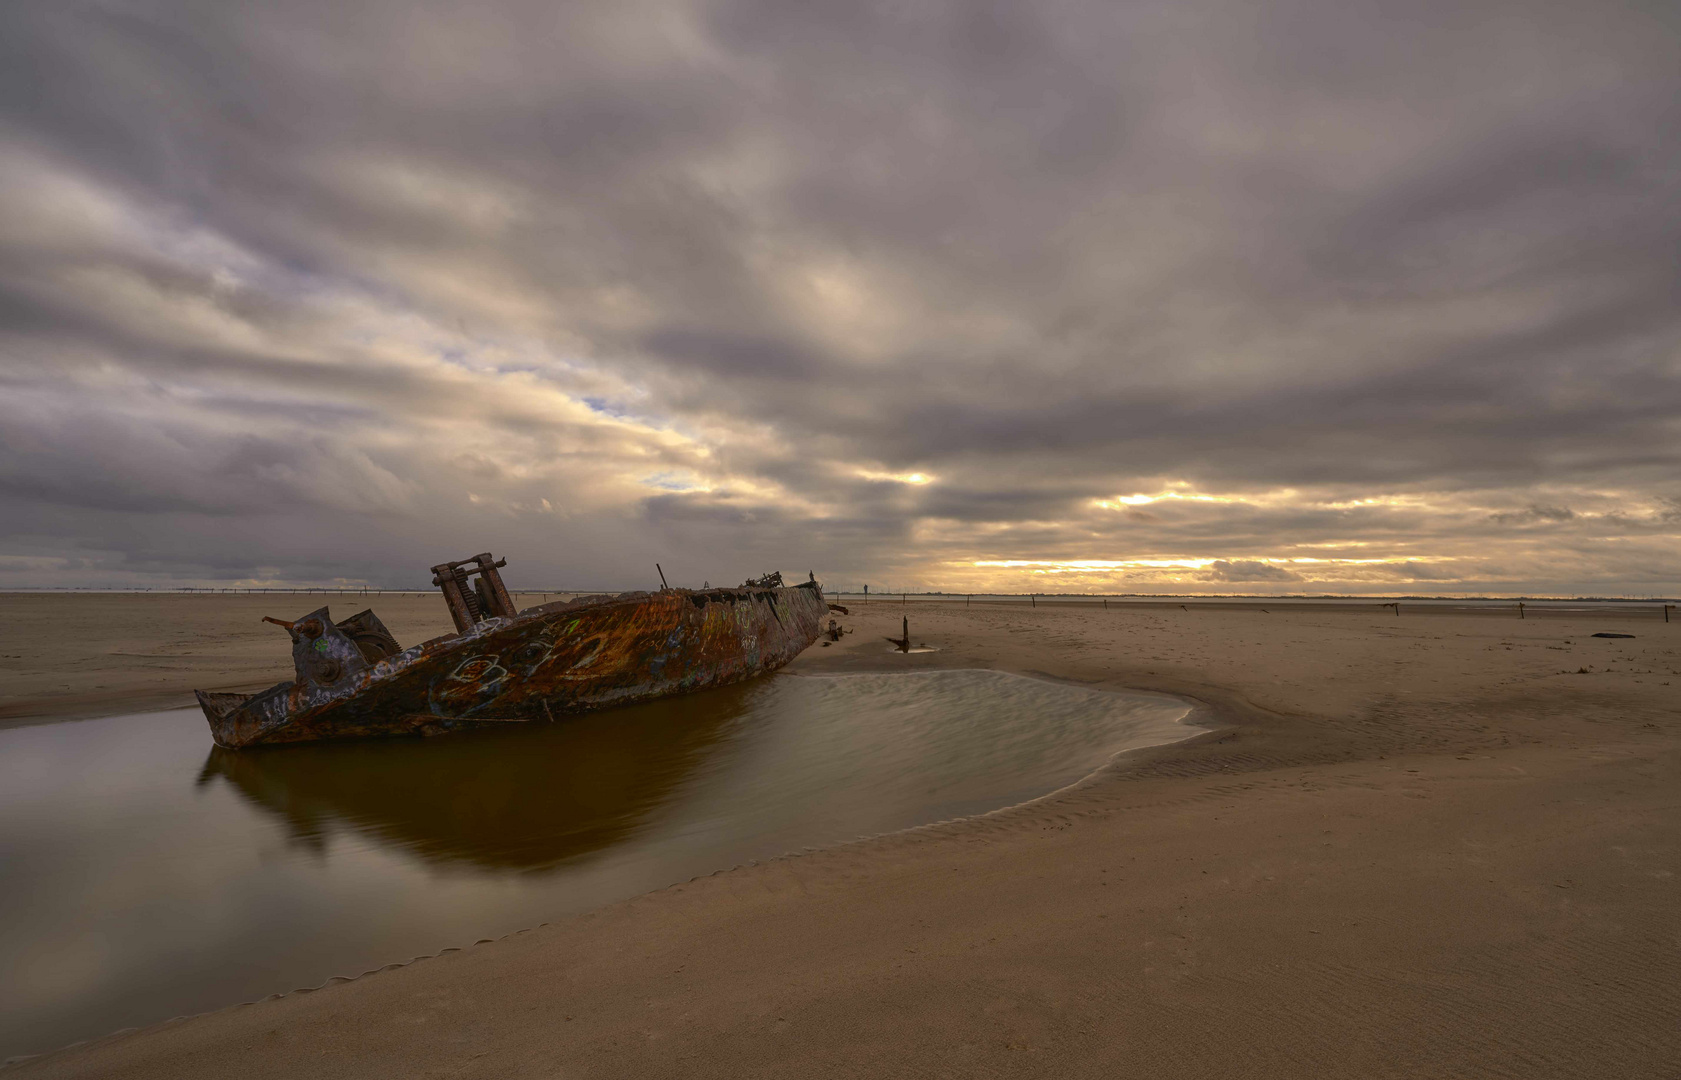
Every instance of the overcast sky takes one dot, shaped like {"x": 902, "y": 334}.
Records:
{"x": 1195, "y": 296}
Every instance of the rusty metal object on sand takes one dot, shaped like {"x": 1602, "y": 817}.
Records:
{"x": 354, "y": 681}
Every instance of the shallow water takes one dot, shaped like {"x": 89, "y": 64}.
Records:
{"x": 145, "y": 874}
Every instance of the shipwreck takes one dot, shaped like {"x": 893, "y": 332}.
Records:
{"x": 505, "y": 666}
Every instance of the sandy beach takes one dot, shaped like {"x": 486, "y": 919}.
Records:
{"x": 1432, "y": 845}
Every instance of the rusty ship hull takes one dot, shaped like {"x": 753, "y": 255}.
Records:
{"x": 542, "y": 663}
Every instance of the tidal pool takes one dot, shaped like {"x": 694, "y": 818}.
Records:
{"x": 145, "y": 874}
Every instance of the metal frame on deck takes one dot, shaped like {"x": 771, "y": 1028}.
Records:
{"x": 486, "y": 598}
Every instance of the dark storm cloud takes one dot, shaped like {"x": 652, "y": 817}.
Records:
{"x": 889, "y": 289}
{"x": 1248, "y": 570}
{"x": 1534, "y": 514}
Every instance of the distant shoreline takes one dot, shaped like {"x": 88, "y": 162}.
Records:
{"x": 57, "y": 661}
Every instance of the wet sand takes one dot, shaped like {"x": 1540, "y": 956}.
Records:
{"x": 1421, "y": 846}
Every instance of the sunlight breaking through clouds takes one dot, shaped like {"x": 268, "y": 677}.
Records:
{"x": 914, "y": 478}
{"x": 1146, "y": 500}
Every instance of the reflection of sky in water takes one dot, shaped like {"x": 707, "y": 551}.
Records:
{"x": 141, "y": 878}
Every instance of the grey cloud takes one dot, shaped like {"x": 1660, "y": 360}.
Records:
{"x": 722, "y": 354}
{"x": 1248, "y": 570}
{"x": 1533, "y": 514}
{"x": 1048, "y": 254}
{"x": 1414, "y": 571}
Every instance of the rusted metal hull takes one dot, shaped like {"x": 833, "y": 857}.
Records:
{"x": 543, "y": 663}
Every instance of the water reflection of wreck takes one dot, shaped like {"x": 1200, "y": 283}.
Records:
{"x": 524, "y": 798}
{"x": 504, "y": 665}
